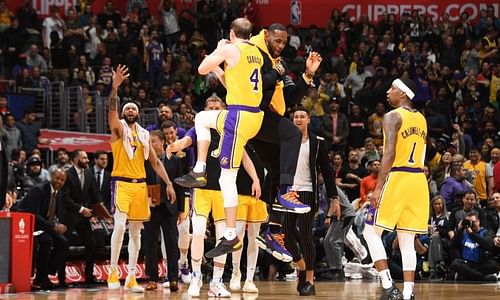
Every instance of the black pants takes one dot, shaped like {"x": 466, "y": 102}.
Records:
{"x": 277, "y": 144}
{"x": 52, "y": 250}
{"x": 303, "y": 223}
{"x": 470, "y": 270}
{"x": 89, "y": 241}
{"x": 161, "y": 218}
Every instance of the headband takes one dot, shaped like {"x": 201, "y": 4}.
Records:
{"x": 402, "y": 86}
{"x": 130, "y": 104}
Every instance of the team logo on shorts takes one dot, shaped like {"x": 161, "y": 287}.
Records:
{"x": 224, "y": 161}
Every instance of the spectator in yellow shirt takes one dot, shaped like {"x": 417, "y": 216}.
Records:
{"x": 315, "y": 102}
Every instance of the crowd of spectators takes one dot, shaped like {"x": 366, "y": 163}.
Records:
{"x": 455, "y": 65}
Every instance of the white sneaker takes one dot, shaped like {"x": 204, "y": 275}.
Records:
{"x": 195, "y": 286}
{"x": 356, "y": 275}
{"x": 249, "y": 287}
{"x": 166, "y": 284}
{"x": 218, "y": 290}
{"x": 131, "y": 285}
{"x": 235, "y": 283}
{"x": 185, "y": 273}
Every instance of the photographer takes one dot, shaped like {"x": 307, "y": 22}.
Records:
{"x": 472, "y": 243}
{"x": 469, "y": 204}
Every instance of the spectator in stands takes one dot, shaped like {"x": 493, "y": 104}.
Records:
{"x": 468, "y": 204}
{"x": 109, "y": 13}
{"x": 213, "y": 88}
{"x": 5, "y": 16}
{"x": 369, "y": 182}
{"x": 89, "y": 75}
{"x": 355, "y": 81}
{"x": 442, "y": 171}
{"x": 28, "y": 17}
{"x": 81, "y": 188}
{"x": 454, "y": 186}
{"x": 438, "y": 232}
{"x": 91, "y": 38}
{"x": 38, "y": 80}
{"x": 483, "y": 183}
{"x": 315, "y": 103}
{"x": 125, "y": 40}
{"x": 335, "y": 128}
{"x": 46, "y": 201}
{"x": 30, "y": 130}
{"x": 471, "y": 243}
{"x": 11, "y": 135}
{"x": 357, "y": 127}
{"x": 63, "y": 162}
{"x": 59, "y": 58}
{"x": 493, "y": 215}
{"x": 375, "y": 122}
{"x": 33, "y": 174}
{"x": 13, "y": 42}
{"x": 109, "y": 36}
{"x": 4, "y": 110}
{"x": 186, "y": 117}
{"x": 102, "y": 177}
{"x": 73, "y": 33}
{"x": 36, "y": 60}
{"x": 106, "y": 75}
{"x": 170, "y": 24}
{"x": 52, "y": 23}
{"x": 350, "y": 177}
{"x": 135, "y": 66}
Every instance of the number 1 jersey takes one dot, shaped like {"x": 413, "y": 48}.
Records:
{"x": 411, "y": 140}
{"x": 244, "y": 80}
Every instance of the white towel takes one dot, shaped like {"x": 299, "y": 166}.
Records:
{"x": 143, "y": 136}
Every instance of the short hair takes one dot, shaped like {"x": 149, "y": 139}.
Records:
{"x": 242, "y": 28}
{"x": 215, "y": 98}
{"x": 99, "y": 153}
{"x": 29, "y": 110}
{"x": 75, "y": 154}
{"x": 276, "y": 27}
{"x": 159, "y": 134}
{"x": 168, "y": 124}
{"x": 301, "y": 108}
{"x": 410, "y": 84}
{"x": 62, "y": 149}
{"x": 473, "y": 213}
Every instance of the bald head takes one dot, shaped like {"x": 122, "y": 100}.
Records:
{"x": 242, "y": 28}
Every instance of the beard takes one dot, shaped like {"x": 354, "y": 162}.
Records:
{"x": 130, "y": 120}
{"x": 82, "y": 165}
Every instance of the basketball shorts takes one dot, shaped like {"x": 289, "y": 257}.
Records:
{"x": 131, "y": 198}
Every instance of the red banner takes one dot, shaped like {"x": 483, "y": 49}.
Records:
{"x": 304, "y": 13}
{"x": 89, "y": 142}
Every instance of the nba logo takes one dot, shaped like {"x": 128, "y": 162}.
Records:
{"x": 295, "y": 12}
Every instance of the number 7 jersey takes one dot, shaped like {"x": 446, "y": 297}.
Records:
{"x": 411, "y": 140}
{"x": 244, "y": 80}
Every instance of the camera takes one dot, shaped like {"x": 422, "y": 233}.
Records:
{"x": 466, "y": 223}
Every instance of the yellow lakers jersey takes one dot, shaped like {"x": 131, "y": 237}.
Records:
{"x": 244, "y": 80}
{"x": 122, "y": 165}
{"x": 411, "y": 140}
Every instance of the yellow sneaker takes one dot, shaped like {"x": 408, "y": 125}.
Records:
{"x": 114, "y": 280}
{"x": 132, "y": 285}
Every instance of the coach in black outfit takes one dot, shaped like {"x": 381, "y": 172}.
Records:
{"x": 102, "y": 177}
{"x": 163, "y": 216}
{"x": 81, "y": 188}
{"x": 46, "y": 201}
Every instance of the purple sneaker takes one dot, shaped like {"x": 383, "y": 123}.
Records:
{"x": 290, "y": 201}
{"x": 275, "y": 245}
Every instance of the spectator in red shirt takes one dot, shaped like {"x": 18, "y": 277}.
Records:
{"x": 369, "y": 182}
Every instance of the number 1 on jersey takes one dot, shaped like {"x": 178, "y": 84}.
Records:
{"x": 411, "y": 160}
{"x": 254, "y": 78}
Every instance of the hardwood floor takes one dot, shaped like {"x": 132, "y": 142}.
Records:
{"x": 284, "y": 290}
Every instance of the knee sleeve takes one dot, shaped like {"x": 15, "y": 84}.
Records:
{"x": 203, "y": 121}
{"x": 372, "y": 236}
{"x": 407, "y": 246}
{"x": 199, "y": 225}
{"x": 227, "y": 182}
{"x": 183, "y": 227}
{"x": 135, "y": 230}
{"x": 120, "y": 219}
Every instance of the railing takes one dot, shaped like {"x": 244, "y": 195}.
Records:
{"x": 75, "y": 109}
{"x": 40, "y": 102}
{"x": 55, "y": 103}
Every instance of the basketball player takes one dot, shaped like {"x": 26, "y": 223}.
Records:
{"x": 208, "y": 200}
{"x": 401, "y": 196}
{"x": 237, "y": 125}
{"x": 130, "y": 146}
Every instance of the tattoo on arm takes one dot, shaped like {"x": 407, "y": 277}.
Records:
{"x": 113, "y": 103}
{"x": 392, "y": 123}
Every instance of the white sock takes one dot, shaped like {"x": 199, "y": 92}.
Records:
{"x": 407, "y": 289}
{"x": 197, "y": 242}
{"x": 218, "y": 272}
{"x": 230, "y": 233}
{"x": 134, "y": 245}
{"x": 182, "y": 258}
{"x": 385, "y": 277}
{"x": 199, "y": 167}
{"x": 117, "y": 237}
{"x": 252, "y": 251}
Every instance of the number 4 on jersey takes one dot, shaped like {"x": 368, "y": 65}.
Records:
{"x": 254, "y": 78}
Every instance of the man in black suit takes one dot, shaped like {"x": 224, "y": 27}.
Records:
{"x": 102, "y": 177}
{"x": 81, "y": 188}
{"x": 45, "y": 200}
{"x": 163, "y": 216}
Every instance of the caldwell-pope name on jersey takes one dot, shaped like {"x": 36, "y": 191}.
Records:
{"x": 414, "y": 130}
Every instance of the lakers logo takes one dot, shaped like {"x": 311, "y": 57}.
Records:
{"x": 369, "y": 217}
{"x": 224, "y": 161}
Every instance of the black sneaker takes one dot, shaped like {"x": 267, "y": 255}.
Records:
{"x": 301, "y": 280}
{"x": 392, "y": 293}
{"x": 307, "y": 289}
{"x": 192, "y": 180}
{"x": 225, "y": 247}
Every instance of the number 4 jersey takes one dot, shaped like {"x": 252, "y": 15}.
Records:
{"x": 244, "y": 80}
{"x": 411, "y": 140}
